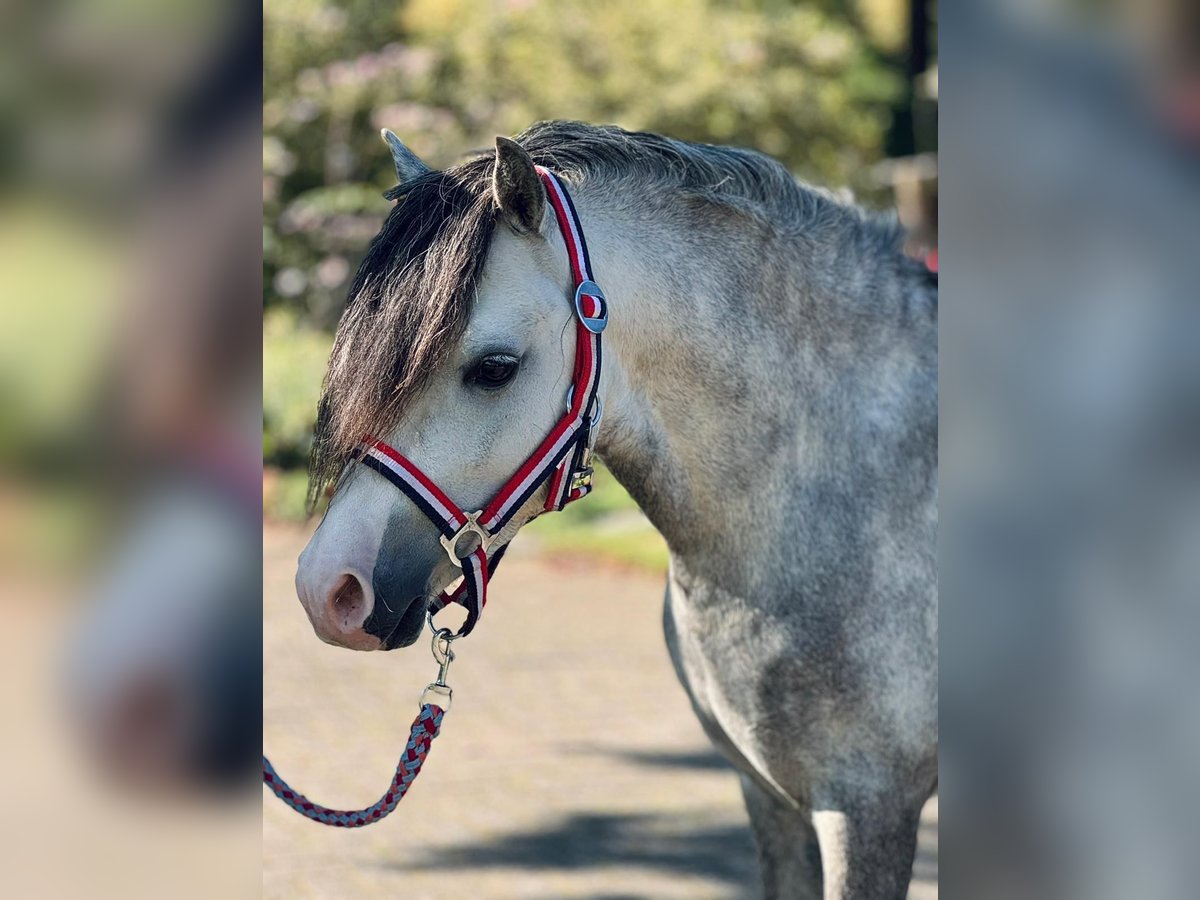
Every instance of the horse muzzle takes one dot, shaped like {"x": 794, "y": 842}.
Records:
{"x": 340, "y": 609}
{"x": 350, "y": 613}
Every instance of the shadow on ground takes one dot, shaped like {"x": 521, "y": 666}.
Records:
{"x": 664, "y": 843}
{"x": 702, "y": 760}
{"x": 667, "y": 845}
{"x": 697, "y": 761}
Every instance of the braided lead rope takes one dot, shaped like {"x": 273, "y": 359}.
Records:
{"x": 424, "y": 729}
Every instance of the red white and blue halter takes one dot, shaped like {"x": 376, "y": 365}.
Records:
{"x": 563, "y": 457}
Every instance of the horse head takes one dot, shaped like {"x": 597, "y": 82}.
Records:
{"x": 456, "y": 349}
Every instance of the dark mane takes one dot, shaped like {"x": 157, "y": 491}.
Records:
{"x": 412, "y": 295}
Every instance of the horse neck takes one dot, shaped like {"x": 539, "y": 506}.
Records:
{"x": 745, "y": 362}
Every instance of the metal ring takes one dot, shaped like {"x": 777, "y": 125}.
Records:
{"x": 599, "y": 414}
{"x": 449, "y": 635}
{"x": 599, "y": 405}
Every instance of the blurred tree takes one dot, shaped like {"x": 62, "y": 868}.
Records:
{"x": 814, "y": 84}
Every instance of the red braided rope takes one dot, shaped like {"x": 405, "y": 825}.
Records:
{"x": 424, "y": 729}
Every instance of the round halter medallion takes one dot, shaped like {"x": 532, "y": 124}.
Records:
{"x": 597, "y": 323}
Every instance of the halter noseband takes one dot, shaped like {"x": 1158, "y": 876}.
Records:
{"x": 563, "y": 457}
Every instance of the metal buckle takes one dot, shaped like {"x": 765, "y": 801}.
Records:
{"x": 582, "y": 477}
{"x": 450, "y": 544}
{"x": 594, "y": 324}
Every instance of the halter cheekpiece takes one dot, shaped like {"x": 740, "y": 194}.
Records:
{"x": 563, "y": 457}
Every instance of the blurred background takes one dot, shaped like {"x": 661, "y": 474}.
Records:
{"x": 130, "y": 569}
{"x": 1070, "y": 505}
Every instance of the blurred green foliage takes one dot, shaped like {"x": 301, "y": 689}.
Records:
{"x": 812, "y": 83}
{"x": 294, "y": 359}
{"x": 285, "y": 495}
{"x": 606, "y": 524}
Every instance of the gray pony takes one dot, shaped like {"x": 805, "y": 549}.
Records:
{"x": 770, "y": 397}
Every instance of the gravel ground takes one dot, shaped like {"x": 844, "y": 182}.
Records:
{"x": 570, "y": 765}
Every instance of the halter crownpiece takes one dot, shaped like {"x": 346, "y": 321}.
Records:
{"x": 563, "y": 457}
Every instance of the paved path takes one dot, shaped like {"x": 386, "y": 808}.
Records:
{"x": 570, "y": 765}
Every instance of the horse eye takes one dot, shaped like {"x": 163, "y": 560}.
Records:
{"x": 494, "y": 371}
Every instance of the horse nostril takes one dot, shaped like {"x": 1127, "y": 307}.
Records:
{"x": 348, "y": 606}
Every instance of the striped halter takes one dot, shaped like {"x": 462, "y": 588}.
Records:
{"x": 564, "y": 457}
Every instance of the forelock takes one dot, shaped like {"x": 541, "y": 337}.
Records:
{"x": 407, "y": 308}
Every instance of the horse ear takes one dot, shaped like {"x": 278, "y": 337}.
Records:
{"x": 517, "y": 187}
{"x": 408, "y": 164}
